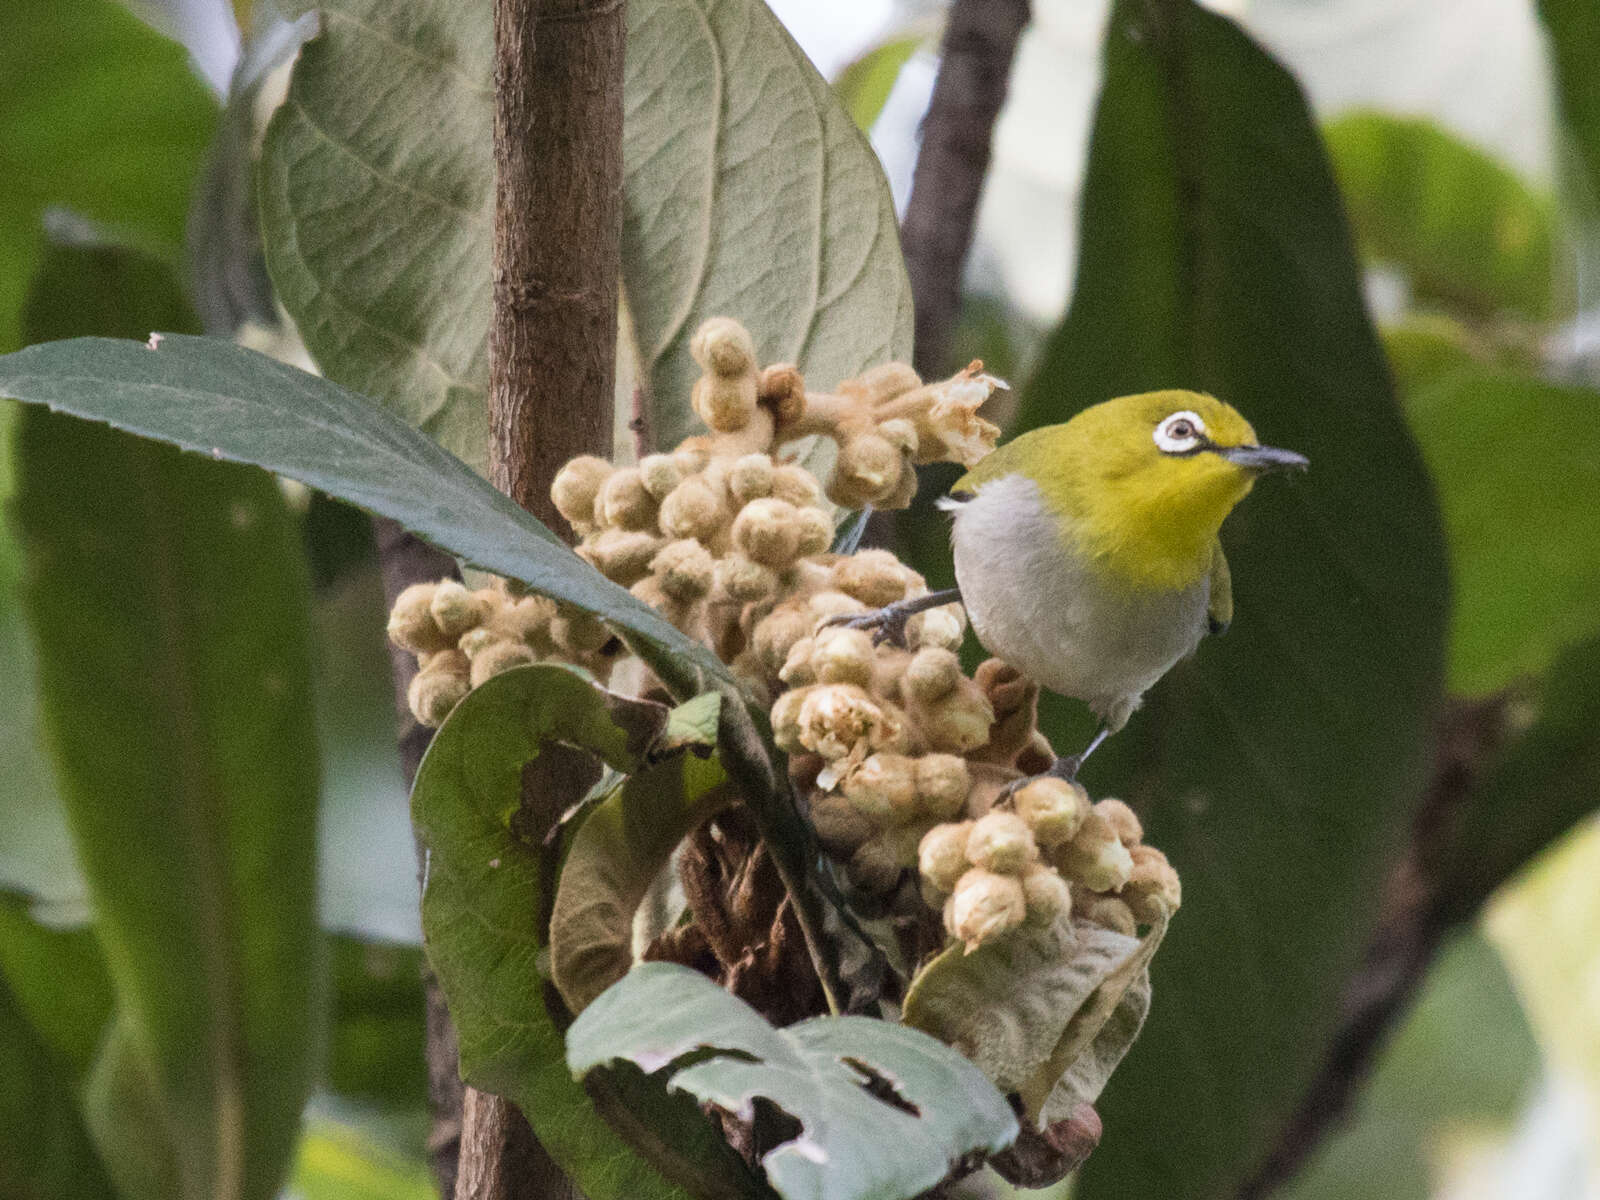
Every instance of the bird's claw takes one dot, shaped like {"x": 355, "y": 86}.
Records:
{"x": 888, "y": 624}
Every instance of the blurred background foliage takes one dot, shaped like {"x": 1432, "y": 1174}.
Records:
{"x": 1462, "y": 143}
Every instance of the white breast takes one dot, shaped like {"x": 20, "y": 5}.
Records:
{"x": 1032, "y": 603}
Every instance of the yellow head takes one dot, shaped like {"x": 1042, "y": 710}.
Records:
{"x": 1142, "y": 482}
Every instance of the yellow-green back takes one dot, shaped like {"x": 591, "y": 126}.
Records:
{"x": 1151, "y": 517}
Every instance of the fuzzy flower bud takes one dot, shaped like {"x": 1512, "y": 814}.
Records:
{"x": 1095, "y": 857}
{"x": 783, "y": 389}
{"x": 660, "y": 473}
{"x": 1053, "y": 808}
{"x": 883, "y": 787}
{"x": 1000, "y": 842}
{"x": 576, "y": 487}
{"x": 797, "y": 670}
{"x": 943, "y": 783}
{"x": 840, "y": 827}
{"x": 874, "y": 867}
{"x": 942, "y": 855}
{"x": 886, "y": 381}
{"x": 621, "y": 555}
{"x": 1122, "y": 820}
{"x": 796, "y": 485}
{"x": 949, "y": 428}
{"x": 500, "y": 656}
{"x": 692, "y": 455}
{"x": 899, "y": 433}
{"x": 874, "y": 577}
{"x": 411, "y": 623}
{"x": 577, "y": 632}
{"x": 826, "y": 605}
{"x": 528, "y": 619}
{"x": 775, "y": 635}
{"x": 456, "y": 610}
{"x": 786, "y": 731}
{"x": 867, "y": 471}
{"x": 1153, "y": 886}
{"x": 475, "y": 641}
{"x": 984, "y": 906}
{"x": 693, "y": 510}
{"x": 439, "y": 687}
{"x": 843, "y": 655}
{"x": 815, "y": 531}
{"x": 750, "y": 477}
{"x": 739, "y": 578}
{"x": 957, "y": 723}
{"x": 943, "y": 627}
{"x": 932, "y": 674}
{"x": 685, "y": 569}
{"x": 1046, "y": 894}
{"x": 766, "y": 530}
{"x": 838, "y": 718}
{"x": 623, "y": 502}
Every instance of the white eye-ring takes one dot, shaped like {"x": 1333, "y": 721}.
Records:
{"x": 1180, "y": 433}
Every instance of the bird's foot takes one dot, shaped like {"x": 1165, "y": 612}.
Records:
{"x": 1065, "y": 767}
{"x": 888, "y": 624}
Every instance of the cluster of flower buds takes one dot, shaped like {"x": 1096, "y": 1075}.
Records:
{"x": 1043, "y": 852}
{"x": 906, "y": 763}
{"x": 462, "y": 637}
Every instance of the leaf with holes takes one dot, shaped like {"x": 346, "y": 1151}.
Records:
{"x": 881, "y": 1110}
{"x": 747, "y": 192}
{"x": 539, "y": 732}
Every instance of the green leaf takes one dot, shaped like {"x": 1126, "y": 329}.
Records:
{"x": 621, "y": 847}
{"x": 168, "y": 599}
{"x": 864, "y": 85}
{"x": 487, "y": 886}
{"x": 1574, "y": 31}
{"x": 111, "y": 123}
{"x": 45, "y": 1151}
{"x": 58, "y": 981}
{"x": 1006, "y": 1004}
{"x": 209, "y": 395}
{"x": 1525, "y": 555}
{"x": 1276, "y": 768}
{"x": 884, "y": 1110}
{"x": 739, "y": 166}
{"x": 1469, "y": 233}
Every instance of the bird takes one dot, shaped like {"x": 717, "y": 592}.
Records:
{"x": 1087, "y": 553}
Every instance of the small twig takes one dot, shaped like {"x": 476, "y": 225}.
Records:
{"x": 1417, "y": 912}
{"x": 405, "y": 559}
{"x": 979, "y": 44}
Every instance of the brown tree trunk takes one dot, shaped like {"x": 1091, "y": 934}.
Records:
{"x": 552, "y": 346}
{"x": 980, "y": 41}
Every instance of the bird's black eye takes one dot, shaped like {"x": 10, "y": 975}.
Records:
{"x": 1181, "y": 433}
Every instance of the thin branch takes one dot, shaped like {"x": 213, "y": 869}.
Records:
{"x": 974, "y": 72}
{"x": 406, "y": 559}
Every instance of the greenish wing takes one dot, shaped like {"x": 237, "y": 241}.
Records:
{"x": 1219, "y": 612}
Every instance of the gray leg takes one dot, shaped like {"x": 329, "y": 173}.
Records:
{"x": 889, "y": 623}
{"x": 1068, "y": 768}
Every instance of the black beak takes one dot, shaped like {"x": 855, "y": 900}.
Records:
{"x": 1262, "y": 459}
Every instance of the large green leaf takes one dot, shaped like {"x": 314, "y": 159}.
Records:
{"x": 747, "y": 192}
{"x": 1525, "y": 554}
{"x": 102, "y": 115}
{"x": 883, "y": 1110}
{"x": 864, "y": 84}
{"x": 212, "y": 396}
{"x": 58, "y": 980}
{"x": 337, "y": 1161}
{"x": 1574, "y": 29}
{"x": 488, "y": 882}
{"x": 1276, "y": 769}
{"x": 45, "y": 1151}
{"x": 1469, "y": 233}
{"x": 168, "y": 598}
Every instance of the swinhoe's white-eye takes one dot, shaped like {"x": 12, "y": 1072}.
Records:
{"x": 1086, "y": 553}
